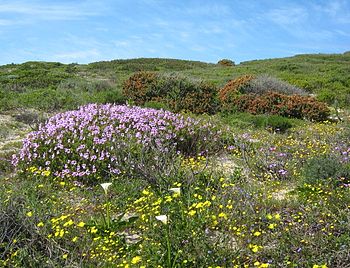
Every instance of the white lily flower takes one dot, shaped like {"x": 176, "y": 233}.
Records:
{"x": 175, "y": 190}
{"x": 105, "y": 186}
{"x": 162, "y": 218}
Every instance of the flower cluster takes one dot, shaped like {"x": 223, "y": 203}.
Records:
{"x": 87, "y": 142}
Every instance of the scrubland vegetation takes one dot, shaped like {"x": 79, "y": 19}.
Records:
{"x": 169, "y": 163}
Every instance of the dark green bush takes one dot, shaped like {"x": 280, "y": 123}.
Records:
{"x": 156, "y": 105}
{"x": 275, "y": 123}
{"x": 326, "y": 168}
{"x": 109, "y": 96}
{"x": 270, "y": 122}
{"x": 5, "y": 163}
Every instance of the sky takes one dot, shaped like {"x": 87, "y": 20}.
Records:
{"x": 83, "y": 31}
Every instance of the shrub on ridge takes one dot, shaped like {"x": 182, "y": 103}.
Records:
{"x": 179, "y": 93}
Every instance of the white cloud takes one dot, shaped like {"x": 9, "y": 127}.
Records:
{"x": 50, "y": 11}
{"x": 213, "y": 9}
{"x": 338, "y": 10}
{"x": 80, "y": 56}
{"x": 6, "y": 22}
{"x": 287, "y": 16}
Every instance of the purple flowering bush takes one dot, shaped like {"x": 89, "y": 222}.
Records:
{"x": 98, "y": 141}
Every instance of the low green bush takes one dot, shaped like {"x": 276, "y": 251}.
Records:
{"x": 328, "y": 168}
{"x": 275, "y": 123}
{"x": 156, "y": 105}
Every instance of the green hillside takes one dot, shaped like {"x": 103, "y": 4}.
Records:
{"x": 251, "y": 172}
{"x": 56, "y": 86}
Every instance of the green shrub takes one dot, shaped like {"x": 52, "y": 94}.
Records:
{"x": 5, "y": 163}
{"x": 156, "y": 105}
{"x": 325, "y": 169}
{"x": 238, "y": 120}
{"x": 327, "y": 96}
{"x": 85, "y": 85}
{"x": 275, "y": 123}
{"x": 110, "y": 96}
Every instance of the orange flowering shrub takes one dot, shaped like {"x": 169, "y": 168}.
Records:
{"x": 226, "y": 62}
{"x": 177, "y": 92}
{"x": 295, "y": 106}
{"x": 231, "y": 89}
{"x": 139, "y": 87}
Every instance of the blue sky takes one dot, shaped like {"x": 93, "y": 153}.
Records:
{"x": 93, "y": 30}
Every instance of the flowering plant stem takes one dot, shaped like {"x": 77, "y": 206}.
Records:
{"x": 168, "y": 247}
{"x": 108, "y": 219}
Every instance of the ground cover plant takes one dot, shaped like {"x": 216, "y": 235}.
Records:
{"x": 255, "y": 203}
{"x": 109, "y": 185}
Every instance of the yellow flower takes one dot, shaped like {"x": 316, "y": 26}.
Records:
{"x": 93, "y": 230}
{"x": 75, "y": 239}
{"x": 222, "y": 215}
{"x": 46, "y": 173}
{"x": 65, "y": 256}
{"x": 40, "y": 224}
{"x": 81, "y": 224}
{"x": 257, "y": 233}
{"x": 68, "y": 223}
{"x": 191, "y": 212}
{"x": 277, "y": 216}
{"x": 145, "y": 192}
{"x": 254, "y": 248}
{"x": 136, "y": 259}
{"x": 29, "y": 214}
{"x": 272, "y": 226}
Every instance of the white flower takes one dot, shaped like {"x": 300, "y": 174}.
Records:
{"x": 162, "y": 218}
{"x": 175, "y": 190}
{"x": 105, "y": 186}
